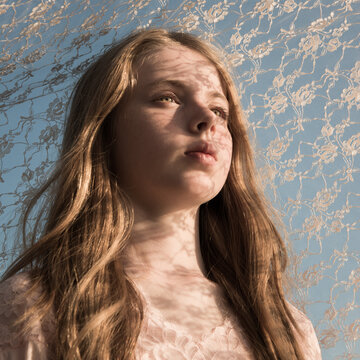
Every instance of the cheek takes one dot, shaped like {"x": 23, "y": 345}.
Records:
{"x": 225, "y": 149}
{"x": 140, "y": 140}
{"x": 225, "y": 144}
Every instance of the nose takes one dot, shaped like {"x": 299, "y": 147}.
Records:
{"x": 202, "y": 120}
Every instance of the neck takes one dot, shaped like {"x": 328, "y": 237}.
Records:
{"x": 164, "y": 244}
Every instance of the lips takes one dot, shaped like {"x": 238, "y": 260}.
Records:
{"x": 203, "y": 150}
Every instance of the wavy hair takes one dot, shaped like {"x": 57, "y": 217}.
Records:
{"x": 75, "y": 257}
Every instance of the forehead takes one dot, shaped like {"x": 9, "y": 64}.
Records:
{"x": 177, "y": 62}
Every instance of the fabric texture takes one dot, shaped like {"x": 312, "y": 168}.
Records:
{"x": 158, "y": 339}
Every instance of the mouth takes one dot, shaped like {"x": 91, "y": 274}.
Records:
{"x": 205, "y": 152}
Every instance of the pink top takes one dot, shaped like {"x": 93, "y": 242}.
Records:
{"x": 158, "y": 339}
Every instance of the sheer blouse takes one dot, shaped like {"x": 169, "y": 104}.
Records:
{"x": 159, "y": 339}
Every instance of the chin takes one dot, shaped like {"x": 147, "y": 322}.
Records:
{"x": 204, "y": 196}
{"x": 195, "y": 190}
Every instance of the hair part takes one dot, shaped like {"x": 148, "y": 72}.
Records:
{"x": 76, "y": 260}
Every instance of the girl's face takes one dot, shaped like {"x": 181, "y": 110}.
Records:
{"x": 173, "y": 147}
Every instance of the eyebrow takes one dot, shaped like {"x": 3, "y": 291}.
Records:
{"x": 181, "y": 85}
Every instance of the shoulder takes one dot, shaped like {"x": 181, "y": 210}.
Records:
{"x": 15, "y": 300}
{"x": 307, "y": 337}
{"x": 15, "y": 287}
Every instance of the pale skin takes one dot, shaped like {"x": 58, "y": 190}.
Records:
{"x": 173, "y": 152}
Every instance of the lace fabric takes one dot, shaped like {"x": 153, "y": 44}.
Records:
{"x": 159, "y": 339}
{"x": 296, "y": 65}
{"x": 15, "y": 343}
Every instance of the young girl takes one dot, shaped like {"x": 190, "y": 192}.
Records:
{"x": 157, "y": 244}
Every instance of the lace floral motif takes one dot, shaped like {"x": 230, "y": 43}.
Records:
{"x": 14, "y": 343}
{"x": 158, "y": 340}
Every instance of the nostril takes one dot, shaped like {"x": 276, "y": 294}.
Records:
{"x": 204, "y": 126}
{"x": 200, "y": 125}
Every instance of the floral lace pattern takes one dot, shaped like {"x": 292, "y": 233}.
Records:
{"x": 158, "y": 339}
{"x": 33, "y": 344}
{"x": 296, "y": 66}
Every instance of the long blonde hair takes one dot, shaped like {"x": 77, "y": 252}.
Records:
{"x": 75, "y": 259}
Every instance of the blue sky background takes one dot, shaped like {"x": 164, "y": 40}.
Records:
{"x": 297, "y": 68}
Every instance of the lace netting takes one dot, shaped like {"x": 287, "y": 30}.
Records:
{"x": 297, "y": 67}
{"x": 159, "y": 339}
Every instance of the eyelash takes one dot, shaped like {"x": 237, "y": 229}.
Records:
{"x": 223, "y": 113}
{"x": 172, "y": 97}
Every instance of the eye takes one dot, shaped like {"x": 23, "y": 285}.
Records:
{"x": 167, "y": 98}
{"x": 221, "y": 113}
